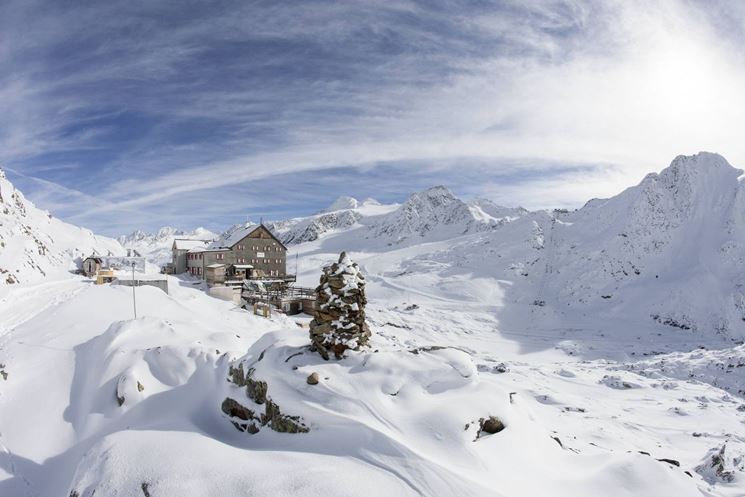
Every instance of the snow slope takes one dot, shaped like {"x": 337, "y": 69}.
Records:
{"x": 597, "y": 337}
{"x": 35, "y": 245}
{"x": 135, "y": 404}
{"x": 666, "y": 256}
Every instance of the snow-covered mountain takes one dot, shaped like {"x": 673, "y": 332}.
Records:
{"x": 436, "y": 214}
{"x": 342, "y": 203}
{"x": 433, "y": 214}
{"x": 600, "y": 339}
{"x": 156, "y": 247}
{"x": 486, "y": 209}
{"x": 669, "y": 252}
{"x": 34, "y": 244}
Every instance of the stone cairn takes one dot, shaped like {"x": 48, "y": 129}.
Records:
{"x": 339, "y": 322}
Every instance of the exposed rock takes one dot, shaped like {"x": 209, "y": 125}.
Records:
{"x": 256, "y": 389}
{"x": 339, "y": 323}
{"x": 119, "y": 395}
{"x": 234, "y": 409}
{"x": 313, "y": 379}
{"x": 246, "y": 419}
{"x": 491, "y": 425}
{"x": 721, "y": 465}
{"x": 282, "y": 422}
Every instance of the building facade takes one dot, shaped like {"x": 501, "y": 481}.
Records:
{"x": 179, "y": 249}
{"x": 249, "y": 253}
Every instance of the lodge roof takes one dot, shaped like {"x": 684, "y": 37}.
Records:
{"x": 241, "y": 233}
{"x": 187, "y": 244}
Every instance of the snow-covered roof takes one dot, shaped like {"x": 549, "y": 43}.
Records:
{"x": 243, "y": 266}
{"x": 215, "y": 266}
{"x": 184, "y": 244}
{"x": 239, "y": 234}
{"x": 205, "y": 249}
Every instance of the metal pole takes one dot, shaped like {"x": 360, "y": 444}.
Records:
{"x": 134, "y": 283}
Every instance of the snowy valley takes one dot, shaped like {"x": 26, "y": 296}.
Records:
{"x": 607, "y": 342}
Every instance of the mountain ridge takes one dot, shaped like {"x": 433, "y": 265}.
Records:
{"x": 35, "y": 245}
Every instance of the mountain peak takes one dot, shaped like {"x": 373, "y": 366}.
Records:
{"x": 700, "y": 178}
{"x": 437, "y": 190}
{"x": 433, "y": 197}
{"x": 701, "y": 164}
{"x": 342, "y": 203}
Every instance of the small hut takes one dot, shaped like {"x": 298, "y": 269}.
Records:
{"x": 91, "y": 265}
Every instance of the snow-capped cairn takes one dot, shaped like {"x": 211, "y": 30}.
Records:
{"x": 339, "y": 323}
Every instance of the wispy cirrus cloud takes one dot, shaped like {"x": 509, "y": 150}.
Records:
{"x": 160, "y": 110}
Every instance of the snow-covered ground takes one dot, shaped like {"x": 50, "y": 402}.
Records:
{"x": 608, "y": 381}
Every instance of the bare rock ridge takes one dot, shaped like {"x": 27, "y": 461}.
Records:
{"x": 339, "y": 323}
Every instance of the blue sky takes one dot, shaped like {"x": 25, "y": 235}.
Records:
{"x": 127, "y": 115}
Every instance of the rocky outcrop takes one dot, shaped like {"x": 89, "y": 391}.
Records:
{"x": 250, "y": 420}
{"x": 721, "y": 465}
{"x": 339, "y": 323}
{"x": 490, "y": 425}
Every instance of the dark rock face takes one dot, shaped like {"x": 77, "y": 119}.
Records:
{"x": 491, "y": 425}
{"x": 248, "y": 420}
{"x": 234, "y": 409}
{"x": 339, "y": 323}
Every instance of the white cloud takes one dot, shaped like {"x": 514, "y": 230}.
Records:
{"x": 628, "y": 83}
